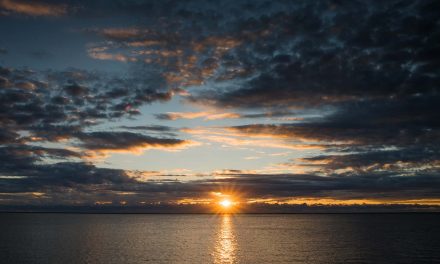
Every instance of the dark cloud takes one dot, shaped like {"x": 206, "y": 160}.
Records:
{"x": 270, "y": 114}
{"x": 377, "y": 186}
{"x": 323, "y": 53}
{"x": 417, "y": 111}
{"x": 366, "y": 186}
{"x": 157, "y": 128}
{"x": 35, "y": 100}
{"x": 76, "y": 90}
{"x": 410, "y": 160}
{"x": 7, "y": 136}
{"x": 95, "y": 184}
{"x": 160, "y": 130}
{"x": 396, "y": 135}
{"x": 124, "y": 141}
{"x": 163, "y": 116}
{"x": 57, "y": 178}
{"x": 40, "y": 107}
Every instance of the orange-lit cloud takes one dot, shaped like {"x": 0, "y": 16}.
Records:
{"x": 100, "y": 54}
{"x": 100, "y": 153}
{"x": 234, "y": 138}
{"x": 121, "y": 33}
{"x": 33, "y": 8}
{"x": 193, "y": 115}
{"x": 188, "y": 62}
{"x": 344, "y": 202}
{"x": 144, "y": 176}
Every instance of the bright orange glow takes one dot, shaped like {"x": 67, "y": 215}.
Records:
{"x": 226, "y": 203}
{"x": 226, "y": 200}
{"x": 329, "y": 201}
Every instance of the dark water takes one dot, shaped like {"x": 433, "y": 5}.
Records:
{"x": 348, "y": 238}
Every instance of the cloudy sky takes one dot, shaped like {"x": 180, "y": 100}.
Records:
{"x": 131, "y": 103}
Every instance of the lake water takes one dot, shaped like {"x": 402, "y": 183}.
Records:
{"x": 298, "y": 238}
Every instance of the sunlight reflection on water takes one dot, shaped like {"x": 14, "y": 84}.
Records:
{"x": 226, "y": 244}
{"x": 221, "y": 238}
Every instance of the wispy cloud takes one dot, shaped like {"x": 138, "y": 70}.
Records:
{"x": 33, "y": 8}
{"x": 193, "y": 115}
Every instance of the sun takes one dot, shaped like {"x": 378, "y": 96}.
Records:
{"x": 226, "y": 203}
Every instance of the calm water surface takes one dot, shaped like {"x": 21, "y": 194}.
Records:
{"x": 313, "y": 238}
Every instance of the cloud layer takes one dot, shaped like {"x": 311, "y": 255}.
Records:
{"x": 350, "y": 87}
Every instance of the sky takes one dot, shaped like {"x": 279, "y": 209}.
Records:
{"x": 139, "y": 103}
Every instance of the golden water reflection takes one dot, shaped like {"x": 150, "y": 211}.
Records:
{"x": 226, "y": 244}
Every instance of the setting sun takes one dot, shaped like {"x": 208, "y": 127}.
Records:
{"x": 226, "y": 203}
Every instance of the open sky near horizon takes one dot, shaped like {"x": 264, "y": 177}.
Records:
{"x": 140, "y": 102}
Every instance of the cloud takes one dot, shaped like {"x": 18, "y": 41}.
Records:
{"x": 405, "y": 160}
{"x": 184, "y": 60}
{"x": 369, "y": 186}
{"x": 283, "y": 115}
{"x": 368, "y": 123}
{"x": 313, "y": 59}
{"x": 36, "y": 100}
{"x": 61, "y": 176}
{"x": 230, "y": 137}
{"x": 155, "y": 129}
{"x": 272, "y": 57}
{"x": 354, "y": 85}
{"x": 100, "y": 53}
{"x": 193, "y": 115}
{"x": 216, "y": 115}
{"x": 126, "y": 142}
{"x": 46, "y": 108}
{"x": 94, "y": 184}
{"x": 33, "y": 8}
{"x": 394, "y": 135}
{"x": 175, "y": 115}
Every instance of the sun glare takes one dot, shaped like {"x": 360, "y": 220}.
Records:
{"x": 226, "y": 203}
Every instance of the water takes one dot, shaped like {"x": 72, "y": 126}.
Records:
{"x": 345, "y": 238}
